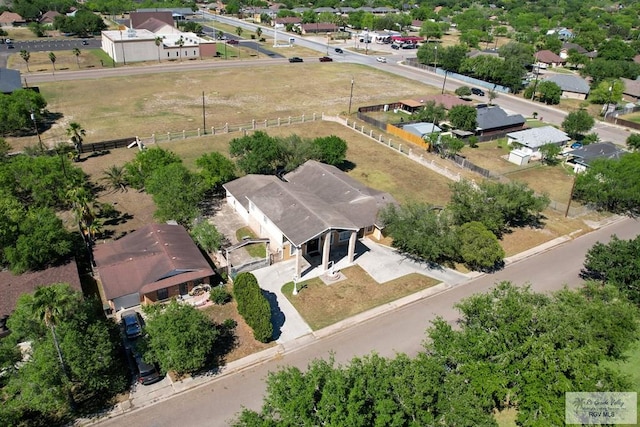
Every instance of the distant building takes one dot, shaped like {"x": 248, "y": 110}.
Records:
{"x": 581, "y": 158}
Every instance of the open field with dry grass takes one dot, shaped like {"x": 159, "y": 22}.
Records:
{"x": 322, "y": 305}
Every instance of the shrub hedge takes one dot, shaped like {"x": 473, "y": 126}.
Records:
{"x": 253, "y": 306}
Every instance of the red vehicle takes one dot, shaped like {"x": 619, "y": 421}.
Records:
{"x": 406, "y": 39}
{"x": 326, "y": 59}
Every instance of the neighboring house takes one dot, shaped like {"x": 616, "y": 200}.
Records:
{"x": 631, "y": 92}
{"x": 9, "y": 19}
{"x": 9, "y": 80}
{"x": 566, "y": 47}
{"x": 581, "y": 158}
{"x": 446, "y": 100}
{"x": 48, "y": 17}
{"x": 319, "y": 27}
{"x": 529, "y": 141}
{"x": 485, "y": 52}
{"x": 13, "y": 286}
{"x": 153, "y": 263}
{"x": 493, "y": 120}
{"x": 421, "y": 129}
{"x": 314, "y": 210}
{"x": 573, "y": 87}
{"x": 562, "y": 33}
{"x": 546, "y": 58}
{"x": 289, "y": 20}
{"x": 416, "y": 25}
{"x": 136, "y": 19}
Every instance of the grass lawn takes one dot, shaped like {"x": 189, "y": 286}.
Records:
{"x": 489, "y": 154}
{"x": 634, "y": 117}
{"x": 555, "y": 181}
{"x": 256, "y": 250}
{"x": 322, "y": 305}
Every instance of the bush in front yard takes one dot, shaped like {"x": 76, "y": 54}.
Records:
{"x": 219, "y": 295}
{"x": 253, "y": 306}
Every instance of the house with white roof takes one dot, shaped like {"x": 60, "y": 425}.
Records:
{"x": 528, "y": 142}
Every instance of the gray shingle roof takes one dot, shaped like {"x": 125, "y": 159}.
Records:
{"x": 569, "y": 83}
{"x": 495, "y": 117}
{"x": 9, "y": 80}
{"x": 314, "y": 198}
{"x": 537, "y": 137}
{"x": 599, "y": 150}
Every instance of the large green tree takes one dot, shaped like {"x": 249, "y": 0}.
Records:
{"x": 178, "y": 337}
{"x": 478, "y": 247}
{"x": 215, "y": 170}
{"x": 616, "y": 263}
{"x": 146, "y": 162}
{"x": 578, "y": 123}
{"x": 16, "y": 109}
{"x": 331, "y": 150}
{"x": 257, "y": 153}
{"x": 463, "y": 117}
{"x": 611, "y": 184}
{"x": 176, "y": 192}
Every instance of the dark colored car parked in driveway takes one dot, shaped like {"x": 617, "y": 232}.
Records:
{"x": 146, "y": 373}
{"x": 131, "y": 323}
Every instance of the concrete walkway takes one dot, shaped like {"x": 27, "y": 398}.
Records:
{"x": 380, "y": 262}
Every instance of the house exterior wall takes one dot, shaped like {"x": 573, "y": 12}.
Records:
{"x": 574, "y": 95}
{"x": 237, "y": 206}
{"x": 130, "y": 50}
{"x": 264, "y": 227}
{"x": 173, "y": 291}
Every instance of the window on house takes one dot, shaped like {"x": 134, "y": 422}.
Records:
{"x": 264, "y": 219}
{"x": 344, "y": 236}
{"x": 163, "y": 294}
{"x": 369, "y": 229}
{"x": 292, "y": 249}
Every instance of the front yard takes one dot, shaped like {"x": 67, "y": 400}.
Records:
{"x": 322, "y": 305}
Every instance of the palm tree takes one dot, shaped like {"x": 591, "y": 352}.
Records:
{"x": 26, "y": 56}
{"x": 51, "y": 304}
{"x": 259, "y": 32}
{"x": 158, "y": 42}
{"x": 76, "y": 52}
{"x": 76, "y": 132}
{"x": 52, "y": 58}
{"x": 219, "y": 35}
{"x": 180, "y": 43}
{"x": 116, "y": 177}
{"x": 239, "y": 31}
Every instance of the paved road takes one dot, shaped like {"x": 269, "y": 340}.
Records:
{"x": 213, "y": 404}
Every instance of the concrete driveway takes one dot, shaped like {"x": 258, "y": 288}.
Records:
{"x": 382, "y": 263}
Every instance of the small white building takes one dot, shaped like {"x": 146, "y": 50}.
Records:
{"x": 529, "y": 141}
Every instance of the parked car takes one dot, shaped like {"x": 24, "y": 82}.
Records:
{"x": 85, "y": 43}
{"x": 409, "y": 46}
{"x": 477, "y": 92}
{"x": 8, "y": 41}
{"x": 10, "y": 46}
{"x": 131, "y": 323}
{"x": 381, "y": 59}
{"x": 232, "y": 41}
{"x": 576, "y": 145}
{"x": 395, "y": 46}
{"x": 338, "y": 50}
{"x": 295, "y": 59}
{"x": 146, "y": 373}
{"x": 326, "y": 59}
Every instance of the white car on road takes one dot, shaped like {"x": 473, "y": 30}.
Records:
{"x": 381, "y": 59}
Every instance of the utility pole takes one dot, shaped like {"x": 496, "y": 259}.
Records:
{"x": 204, "y": 116}
{"x": 351, "y": 96}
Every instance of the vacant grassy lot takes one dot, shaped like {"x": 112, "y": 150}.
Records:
{"x": 143, "y": 105}
{"x": 322, "y": 305}
{"x": 489, "y": 155}
{"x": 635, "y": 117}
{"x": 555, "y": 181}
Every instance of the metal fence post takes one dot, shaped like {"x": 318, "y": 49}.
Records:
{"x": 153, "y": 138}
{"x": 184, "y": 134}
{"x": 198, "y": 131}
{"x": 253, "y": 124}
{"x": 168, "y": 136}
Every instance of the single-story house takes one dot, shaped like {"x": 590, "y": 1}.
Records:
{"x": 289, "y": 20}
{"x": 529, "y": 141}
{"x": 631, "y": 92}
{"x": 581, "y": 158}
{"x": 9, "y": 80}
{"x": 311, "y": 211}
{"x": 153, "y": 263}
{"x": 568, "y": 46}
{"x": 493, "y": 120}
{"x": 13, "y": 286}
{"x": 9, "y": 19}
{"x": 319, "y": 27}
{"x": 573, "y": 87}
{"x": 548, "y": 59}
{"x": 446, "y": 100}
{"x": 562, "y": 33}
{"x": 48, "y": 17}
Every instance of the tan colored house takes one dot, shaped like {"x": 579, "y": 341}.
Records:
{"x": 313, "y": 211}
{"x": 9, "y": 19}
{"x": 154, "y": 263}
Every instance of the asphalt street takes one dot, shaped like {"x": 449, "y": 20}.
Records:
{"x": 403, "y": 330}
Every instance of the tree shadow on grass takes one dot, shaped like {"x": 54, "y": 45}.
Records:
{"x": 277, "y": 316}
{"x": 346, "y": 166}
{"x": 227, "y": 341}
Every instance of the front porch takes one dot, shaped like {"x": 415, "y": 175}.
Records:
{"x": 321, "y": 251}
